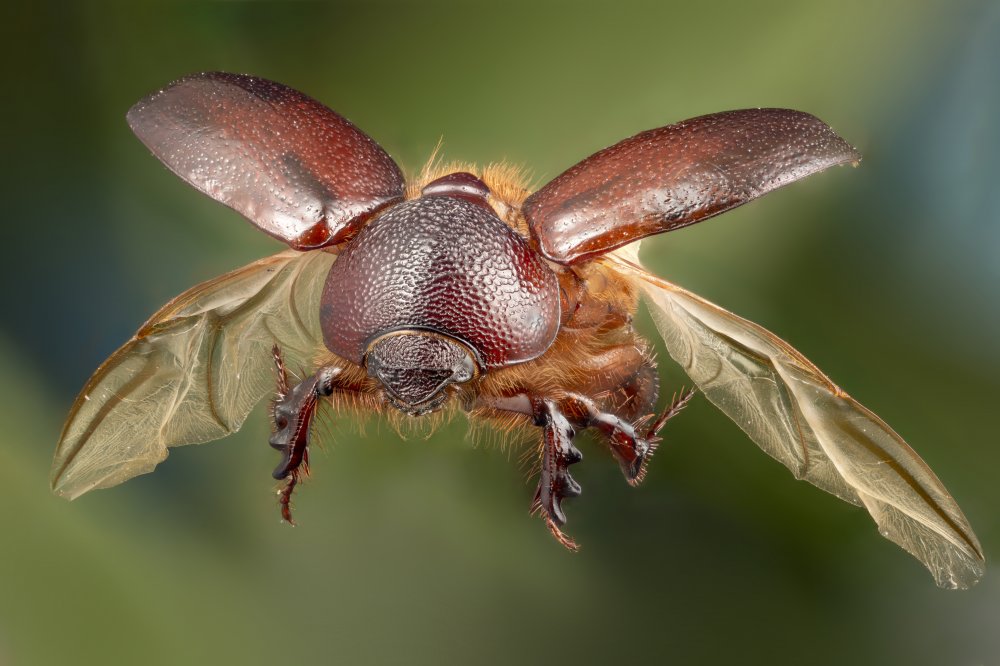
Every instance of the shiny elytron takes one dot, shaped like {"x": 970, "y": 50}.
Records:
{"x": 461, "y": 291}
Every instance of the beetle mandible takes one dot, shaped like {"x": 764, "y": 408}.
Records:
{"x": 462, "y": 291}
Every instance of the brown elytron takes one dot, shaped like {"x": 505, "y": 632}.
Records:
{"x": 674, "y": 176}
{"x": 460, "y": 292}
{"x": 298, "y": 171}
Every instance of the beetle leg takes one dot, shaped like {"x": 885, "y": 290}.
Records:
{"x": 559, "y": 421}
{"x": 631, "y": 449}
{"x": 554, "y": 482}
{"x": 292, "y": 413}
{"x": 558, "y": 452}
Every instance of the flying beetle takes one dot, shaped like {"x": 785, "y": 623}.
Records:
{"x": 461, "y": 291}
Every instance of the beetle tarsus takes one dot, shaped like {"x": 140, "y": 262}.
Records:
{"x": 566, "y": 541}
{"x": 285, "y": 495}
{"x": 677, "y": 402}
{"x": 652, "y": 437}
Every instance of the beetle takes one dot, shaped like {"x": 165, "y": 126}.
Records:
{"x": 461, "y": 291}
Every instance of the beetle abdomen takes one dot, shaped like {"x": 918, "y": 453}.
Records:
{"x": 448, "y": 265}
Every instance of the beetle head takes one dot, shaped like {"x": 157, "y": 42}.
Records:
{"x": 414, "y": 367}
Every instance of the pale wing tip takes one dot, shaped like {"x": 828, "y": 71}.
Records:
{"x": 58, "y": 482}
{"x": 64, "y": 484}
{"x": 954, "y": 558}
{"x": 960, "y": 578}
{"x": 70, "y": 482}
{"x": 971, "y": 569}
{"x": 66, "y": 491}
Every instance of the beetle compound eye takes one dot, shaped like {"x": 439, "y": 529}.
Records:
{"x": 465, "y": 371}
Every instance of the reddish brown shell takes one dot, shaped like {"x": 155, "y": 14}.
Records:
{"x": 444, "y": 264}
{"x": 293, "y": 167}
{"x": 671, "y": 177}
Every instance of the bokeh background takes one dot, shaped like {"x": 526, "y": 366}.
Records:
{"x": 421, "y": 551}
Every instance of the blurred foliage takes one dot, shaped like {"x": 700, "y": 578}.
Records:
{"x": 422, "y": 552}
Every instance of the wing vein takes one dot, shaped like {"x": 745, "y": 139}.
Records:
{"x": 192, "y": 372}
{"x": 805, "y": 421}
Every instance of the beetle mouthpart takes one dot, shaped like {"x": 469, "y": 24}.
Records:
{"x": 416, "y": 366}
{"x": 428, "y": 407}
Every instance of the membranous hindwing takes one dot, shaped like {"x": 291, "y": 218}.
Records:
{"x": 193, "y": 372}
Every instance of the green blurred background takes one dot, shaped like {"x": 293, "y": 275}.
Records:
{"x": 422, "y": 552}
